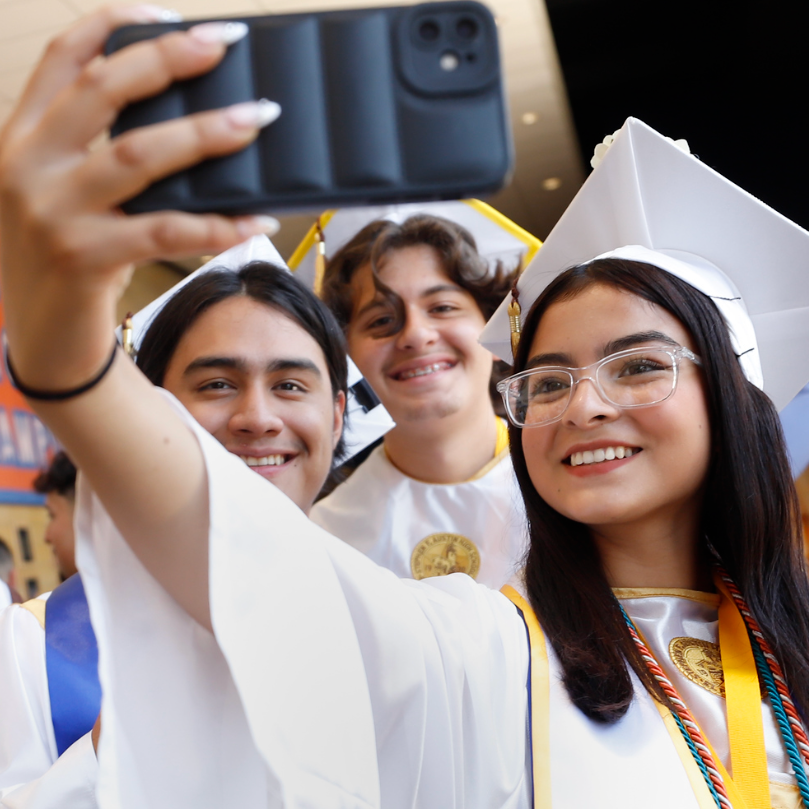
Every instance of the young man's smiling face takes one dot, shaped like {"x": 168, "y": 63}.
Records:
{"x": 434, "y": 366}
{"x": 259, "y": 383}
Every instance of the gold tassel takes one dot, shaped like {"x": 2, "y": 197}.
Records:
{"x": 320, "y": 257}
{"x": 514, "y": 312}
{"x": 128, "y": 335}
{"x": 514, "y": 321}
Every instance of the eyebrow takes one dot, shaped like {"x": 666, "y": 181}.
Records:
{"x": 378, "y": 301}
{"x": 238, "y": 364}
{"x": 612, "y": 347}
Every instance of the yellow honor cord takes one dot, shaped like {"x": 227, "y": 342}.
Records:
{"x": 748, "y": 755}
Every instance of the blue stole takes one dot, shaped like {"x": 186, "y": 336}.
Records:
{"x": 71, "y": 659}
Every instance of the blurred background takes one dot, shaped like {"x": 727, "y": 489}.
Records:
{"x": 731, "y": 78}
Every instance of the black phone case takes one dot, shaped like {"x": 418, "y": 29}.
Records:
{"x": 369, "y": 115}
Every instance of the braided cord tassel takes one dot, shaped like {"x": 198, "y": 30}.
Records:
{"x": 783, "y": 724}
{"x": 778, "y": 675}
{"x": 789, "y": 723}
{"x": 688, "y": 727}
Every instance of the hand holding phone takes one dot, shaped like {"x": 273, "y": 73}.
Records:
{"x": 65, "y": 249}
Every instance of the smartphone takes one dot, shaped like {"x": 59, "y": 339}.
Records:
{"x": 379, "y": 105}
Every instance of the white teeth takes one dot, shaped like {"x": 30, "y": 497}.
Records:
{"x": 599, "y": 455}
{"x": 427, "y": 369}
{"x": 267, "y": 460}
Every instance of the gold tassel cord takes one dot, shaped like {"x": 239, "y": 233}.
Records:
{"x": 320, "y": 257}
{"x": 128, "y": 335}
{"x": 514, "y": 312}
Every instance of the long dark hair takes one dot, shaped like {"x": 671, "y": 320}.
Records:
{"x": 263, "y": 282}
{"x": 750, "y": 513}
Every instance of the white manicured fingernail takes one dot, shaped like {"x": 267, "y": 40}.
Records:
{"x": 254, "y": 114}
{"x": 151, "y": 13}
{"x": 255, "y": 225}
{"x": 225, "y": 33}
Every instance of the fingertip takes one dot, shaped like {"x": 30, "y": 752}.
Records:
{"x": 146, "y": 13}
{"x": 219, "y": 33}
{"x": 257, "y": 225}
{"x": 253, "y": 114}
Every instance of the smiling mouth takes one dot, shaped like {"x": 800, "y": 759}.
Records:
{"x": 266, "y": 460}
{"x": 600, "y": 455}
{"x": 425, "y": 370}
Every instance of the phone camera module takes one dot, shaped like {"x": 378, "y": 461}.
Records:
{"x": 467, "y": 28}
{"x": 429, "y": 31}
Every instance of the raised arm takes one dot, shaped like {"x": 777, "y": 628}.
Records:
{"x": 66, "y": 254}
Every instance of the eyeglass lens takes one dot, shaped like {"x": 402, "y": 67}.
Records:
{"x": 641, "y": 378}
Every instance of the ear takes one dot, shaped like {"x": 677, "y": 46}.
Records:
{"x": 339, "y": 412}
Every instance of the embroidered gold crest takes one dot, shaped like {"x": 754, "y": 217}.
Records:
{"x": 442, "y": 554}
{"x": 700, "y": 661}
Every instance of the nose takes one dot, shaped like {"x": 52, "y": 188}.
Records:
{"x": 587, "y": 406}
{"x": 256, "y": 413}
{"x": 418, "y": 331}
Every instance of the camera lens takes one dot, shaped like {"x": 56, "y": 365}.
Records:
{"x": 466, "y": 28}
{"x": 429, "y": 31}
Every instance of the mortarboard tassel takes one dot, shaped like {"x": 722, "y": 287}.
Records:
{"x": 127, "y": 336}
{"x": 514, "y": 312}
{"x": 320, "y": 257}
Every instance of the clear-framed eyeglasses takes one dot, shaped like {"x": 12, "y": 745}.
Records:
{"x": 637, "y": 377}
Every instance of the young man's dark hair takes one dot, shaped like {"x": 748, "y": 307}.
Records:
{"x": 454, "y": 244}
{"x": 59, "y": 477}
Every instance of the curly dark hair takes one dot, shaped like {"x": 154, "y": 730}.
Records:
{"x": 453, "y": 243}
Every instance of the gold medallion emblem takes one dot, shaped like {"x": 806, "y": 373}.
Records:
{"x": 442, "y": 554}
{"x": 701, "y": 662}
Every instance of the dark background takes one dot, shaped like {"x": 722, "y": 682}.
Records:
{"x": 732, "y": 79}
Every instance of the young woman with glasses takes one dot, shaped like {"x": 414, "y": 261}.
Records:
{"x": 664, "y": 591}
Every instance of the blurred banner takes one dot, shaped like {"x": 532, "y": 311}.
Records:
{"x": 26, "y": 445}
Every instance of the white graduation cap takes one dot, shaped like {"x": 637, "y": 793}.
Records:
{"x": 367, "y": 419}
{"x": 647, "y": 200}
{"x": 496, "y": 236}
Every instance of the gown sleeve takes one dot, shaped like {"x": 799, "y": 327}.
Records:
{"x": 31, "y": 775}
{"x": 328, "y": 682}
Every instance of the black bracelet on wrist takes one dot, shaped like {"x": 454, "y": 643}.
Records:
{"x": 59, "y": 395}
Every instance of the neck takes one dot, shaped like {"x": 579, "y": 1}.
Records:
{"x": 659, "y": 553}
{"x": 451, "y": 449}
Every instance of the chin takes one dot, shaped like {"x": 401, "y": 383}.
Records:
{"x": 425, "y": 411}
{"x": 593, "y": 511}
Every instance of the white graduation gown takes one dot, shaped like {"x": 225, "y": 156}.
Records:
{"x": 31, "y": 775}
{"x": 386, "y": 514}
{"x": 5, "y": 595}
{"x": 330, "y": 682}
